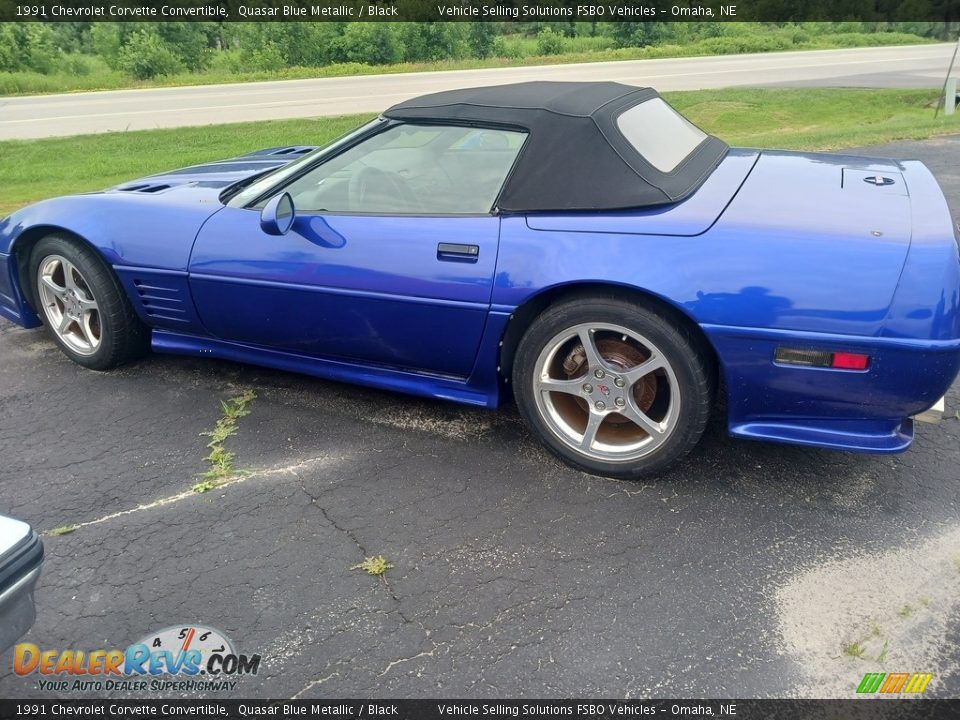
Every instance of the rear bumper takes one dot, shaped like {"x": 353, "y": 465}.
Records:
{"x": 864, "y": 411}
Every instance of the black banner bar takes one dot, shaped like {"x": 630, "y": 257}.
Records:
{"x": 352, "y": 709}
{"x": 945, "y": 11}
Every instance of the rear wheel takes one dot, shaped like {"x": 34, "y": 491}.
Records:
{"x": 83, "y": 306}
{"x": 611, "y": 387}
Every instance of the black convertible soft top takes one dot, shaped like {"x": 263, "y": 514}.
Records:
{"x": 575, "y": 156}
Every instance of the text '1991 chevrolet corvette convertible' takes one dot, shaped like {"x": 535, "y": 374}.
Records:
{"x": 581, "y": 245}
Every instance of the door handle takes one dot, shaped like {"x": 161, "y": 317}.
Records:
{"x": 458, "y": 252}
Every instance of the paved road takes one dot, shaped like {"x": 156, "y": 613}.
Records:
{"x": 74, "y": 114}
{"x": 742, "y": 572}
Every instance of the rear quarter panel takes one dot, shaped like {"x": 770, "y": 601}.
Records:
{"x": 927, "y": 302}
{"x": 800, "y": 265}
{"x": 821, "y": 278}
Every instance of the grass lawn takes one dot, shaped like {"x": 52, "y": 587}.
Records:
{"x": 822, "y": 119}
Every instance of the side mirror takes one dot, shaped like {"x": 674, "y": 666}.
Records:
{"x": 277, "y": 215}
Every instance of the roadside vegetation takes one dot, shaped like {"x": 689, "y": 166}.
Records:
{"x": 822, "y": 119}
{"x": 77, "y": 56}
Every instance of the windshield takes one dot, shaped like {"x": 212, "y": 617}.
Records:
{"x": 252, "y": 192}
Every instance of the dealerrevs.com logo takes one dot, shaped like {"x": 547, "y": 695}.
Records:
{"x": 200, "y": 658}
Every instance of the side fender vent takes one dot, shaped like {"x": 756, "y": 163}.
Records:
{"x": 161, "y": 298}
{"x": 161, "y": 301}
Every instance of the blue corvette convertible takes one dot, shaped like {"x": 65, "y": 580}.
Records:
{"x": 579, "y": 245}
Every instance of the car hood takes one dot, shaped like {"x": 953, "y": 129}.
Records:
{"x": 214, "y": 175}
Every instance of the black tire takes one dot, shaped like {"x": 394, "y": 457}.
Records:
{"x": 690, "y": 379}
{"x": 121, "y": 335}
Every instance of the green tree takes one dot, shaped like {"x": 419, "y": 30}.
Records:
{"x": 72, "y": 37}
{"x": 145, "y": 55}
{"x": 190, "y": 44}
{"x": 267, "y": 56}
{"x": 434, "y": 41}
{"x": 106, "y": 41}
{"x": 374, "y": 43}
{"x": 549, "y": 42}
{"x": 311, "y": 44}
{"x": 27, "y": 46}
{"x": 481, "y": 37}
{"x": 290, "y": 44}
{"x": 639, "y": 34}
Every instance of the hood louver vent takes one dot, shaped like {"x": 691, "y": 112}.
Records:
{"x": 292, "y": 151}
{"x": 145, "y": 188}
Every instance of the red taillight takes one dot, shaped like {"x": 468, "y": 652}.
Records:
{"x": 850, "y": 361}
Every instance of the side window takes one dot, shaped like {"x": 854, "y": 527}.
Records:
{"x": 413, "y": 170}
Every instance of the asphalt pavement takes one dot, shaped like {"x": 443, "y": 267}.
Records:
{"x": 749, "y": 570}
{"x": 121, "y": 110}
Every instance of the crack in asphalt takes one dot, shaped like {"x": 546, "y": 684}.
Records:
{"x": 314, "y": 502}
{"x": 313, "y": 684}
{"x": 227, "y": 482}
{"x": 391, "y": 592}
{"x": 400, "y": 661}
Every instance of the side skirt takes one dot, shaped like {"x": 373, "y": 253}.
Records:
{"x": 404, "y": 381}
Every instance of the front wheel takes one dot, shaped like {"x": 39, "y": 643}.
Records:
{"x": 612, "y": 387}
{"x": 83, "y": 305}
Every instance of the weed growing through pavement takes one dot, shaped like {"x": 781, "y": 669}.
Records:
{"x": 62, "y": 530}
{"x": 882, "y": 657}
{"x": 204, "y": 486}
{"x": 221, "y": 461}
{"x": 853, "y": 650}
{"x": 377, "y": 565}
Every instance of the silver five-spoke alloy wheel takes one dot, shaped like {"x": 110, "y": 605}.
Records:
{"x": 69, "y": 305}
{"x": 606, "y": 391}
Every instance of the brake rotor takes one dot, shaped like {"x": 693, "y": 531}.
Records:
{"x": 623, "y": 356}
